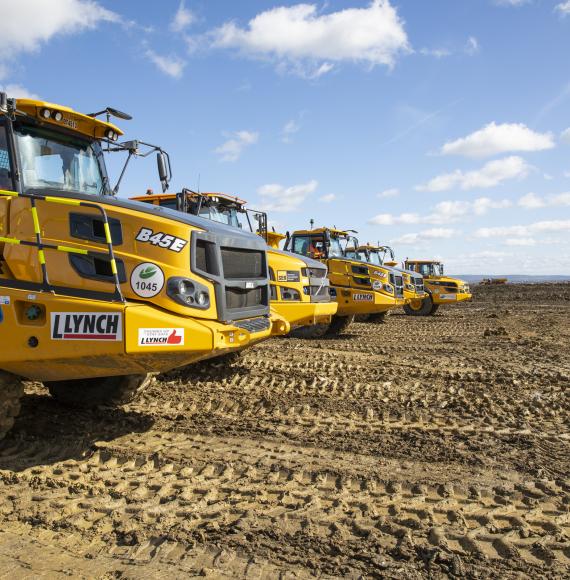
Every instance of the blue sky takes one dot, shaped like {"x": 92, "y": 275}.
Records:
{"x": 442, "y": 127}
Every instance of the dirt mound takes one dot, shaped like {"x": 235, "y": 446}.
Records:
{"x": 421, "y": 447}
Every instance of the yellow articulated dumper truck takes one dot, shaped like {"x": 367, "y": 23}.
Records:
{"x": 441, "y": 289}
{"x": 359, "y": 288}
{"x": 378, "y": 255}
{"x": 97, "y": 292}
{"x": 300, "y": 290}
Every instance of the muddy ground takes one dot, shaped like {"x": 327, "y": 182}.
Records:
{"x": 431, "y": 447}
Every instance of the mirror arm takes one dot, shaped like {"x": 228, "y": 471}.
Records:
{"x": 116, "y": 188}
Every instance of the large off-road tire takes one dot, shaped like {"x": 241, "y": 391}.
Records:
{"x": 108, "y": 391}
{"x": 434, "y": 309}
{"x": 310, "y": 332}
{"x": 11, "y": 391}
{"x": 339, "y": 324}
{"x": 425, "y": 308}
{"x": 377, "y": 317}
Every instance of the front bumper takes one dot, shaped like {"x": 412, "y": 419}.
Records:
{"x": 449, "y": 298}
{"x": 352, "y": 301}
{"x": 409, "y": 295}
{"x": 305, "y": 313}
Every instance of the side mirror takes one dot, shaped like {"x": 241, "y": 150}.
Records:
{"x": 162, "y": 170}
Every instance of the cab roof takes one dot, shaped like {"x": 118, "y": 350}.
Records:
{"x": 71, "y": 120}
{"x": 210, "y": 195}
{"x": 423, "y": 261}
{"x": 321, "y": 231}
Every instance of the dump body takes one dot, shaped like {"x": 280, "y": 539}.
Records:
{"x": 299, "y": 286}
{"x": 94, "y": 286}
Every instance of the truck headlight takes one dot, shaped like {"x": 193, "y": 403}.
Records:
{"x": 290, "y": 294}
{"x": 188, "y": 292}
{"x": 377, "y": 285}
{"x": 389, "y": 288}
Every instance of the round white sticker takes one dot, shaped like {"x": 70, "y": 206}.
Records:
{"x": 147, "y": 280}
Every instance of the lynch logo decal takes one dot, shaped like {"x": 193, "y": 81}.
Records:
{"x": 86, "y": 326}
{"x": 161, "y": 337}
{"x": 363, "y": 297}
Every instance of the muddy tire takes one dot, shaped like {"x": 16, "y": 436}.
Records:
{"x": 11, "y": 391}
{"x": 108, "y": 391}
{"x": 310, "y": 332}
{"x": 338, "y": 325}
{"x": 377, "y": 317}
{"x": 425, "y": 309}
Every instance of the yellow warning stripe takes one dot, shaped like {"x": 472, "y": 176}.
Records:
{"x": 36, "y": 220}
{"x": 9, "y": 240}
{"x": 107, "y": 232}
{"x": 63, "y": 200}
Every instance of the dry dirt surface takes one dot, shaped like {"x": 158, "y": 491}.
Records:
{"x": 432, "y": 447}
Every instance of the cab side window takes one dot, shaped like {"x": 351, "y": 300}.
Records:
{"x": 5, "y": 172}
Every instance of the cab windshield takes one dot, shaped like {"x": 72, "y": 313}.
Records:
{"x": 223, "y": 215}
{"x": 335, "y": 249}
{"x": 431, "y": 269}
{"x": 50, "y": 160}
{"x": 374, "y": 258}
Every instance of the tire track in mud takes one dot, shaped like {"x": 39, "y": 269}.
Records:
{"x": 140, "y": 498}
{"x": 431, "y": 447}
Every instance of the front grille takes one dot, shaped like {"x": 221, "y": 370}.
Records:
{"x": 253, "y": 324}
{"x": 239, "y": 263}
{"x": 362, "y": 270}
{"x": 398, "y": 283}
{"x": 318, "y": 293}
{"x": 314, "y": 272}
{"x": 244, "y": 298}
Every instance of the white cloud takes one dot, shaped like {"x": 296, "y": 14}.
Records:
{"x": 520, "y": 242}
{"x": 524, "y": 231}
{"x": 493, "y": 139}
{"x": 276, "y": 197}
{"x": 472, "y": 47}
{"x": 445, "y": 212}
{"x": 392, "y": 192}
{"x": 172, "y": 66}
{"x": 235, "y": 144}
{"x": 304, "y": 41}
{"x": 182, "y": 19}
{"x": 511, "y": 2}
{"x": 533, "y": 201}
{"x": 290, "y": 128}
{"x": 563, "y": 8}
{"x": 18, "y": 92}
{"x": 425, "y": 235}
{"x": 565, "y": 135}
{"x": 490, "y": 175}
{"x": 327, "y": 198}
{"x": 27, "y": 24}
{"x": 435, "y": 52}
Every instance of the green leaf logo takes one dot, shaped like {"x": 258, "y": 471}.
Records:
{"x": 148, "y": 272}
